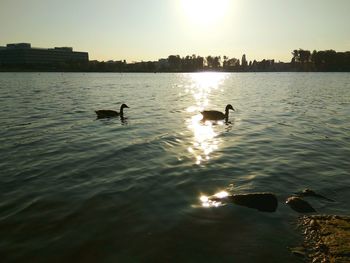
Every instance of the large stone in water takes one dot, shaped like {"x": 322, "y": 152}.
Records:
{"x": 299, "y": 205}
{"x": 265, "y": 202}
{"x": 309, "y": 192}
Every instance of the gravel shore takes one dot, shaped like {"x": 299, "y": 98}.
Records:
{"x": 326, "y": 239}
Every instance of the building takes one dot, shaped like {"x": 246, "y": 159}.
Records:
{"x": 24, "y": 54}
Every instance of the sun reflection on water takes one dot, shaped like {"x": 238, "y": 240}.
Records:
{"x": 216, "y": 200}
{"x": 205, "y": 139}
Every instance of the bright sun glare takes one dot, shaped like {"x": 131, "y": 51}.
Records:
{"x": 205, "y": 12}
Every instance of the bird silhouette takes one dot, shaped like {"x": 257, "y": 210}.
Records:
{"x": 217, "y": 115}
{"x": 111, "y": 113}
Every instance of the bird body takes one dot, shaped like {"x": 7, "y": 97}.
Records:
{"x": 213, "y": 115}
{"x": 217, "y": 115}
{"x": 111, "y": 113}
{"x": 107, "y": 113}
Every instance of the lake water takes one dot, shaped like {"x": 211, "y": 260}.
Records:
{"x": 77, "y": 189}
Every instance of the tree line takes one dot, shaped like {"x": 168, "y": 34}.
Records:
{"x": 328, "y": 60}
{"x": 302, "y": 60}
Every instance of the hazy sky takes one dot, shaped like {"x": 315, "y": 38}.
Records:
{"x": 150, "y": 29}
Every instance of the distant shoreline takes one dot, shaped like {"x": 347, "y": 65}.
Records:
{"x": 302, "y": 61}
{"x": 164, "y": 72}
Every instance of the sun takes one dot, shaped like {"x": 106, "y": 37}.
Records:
{"x": 205, "y": 12}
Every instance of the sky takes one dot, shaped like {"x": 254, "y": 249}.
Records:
{"x": 142, "y": 30}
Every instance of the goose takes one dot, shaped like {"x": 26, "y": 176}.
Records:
{"x": 216, "y": 115}
{"x": 111, "y": 113}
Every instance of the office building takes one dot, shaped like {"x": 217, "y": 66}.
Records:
{"x": 24, "y": 54}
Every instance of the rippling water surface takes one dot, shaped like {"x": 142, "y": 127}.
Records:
{"x": 77, "y": 189}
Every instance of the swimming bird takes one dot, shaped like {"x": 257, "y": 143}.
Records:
{"x": 217, "y": 115}
{"x": 111, "y": 113}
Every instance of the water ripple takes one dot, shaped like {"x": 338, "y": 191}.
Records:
{"x": 72, "y": 185}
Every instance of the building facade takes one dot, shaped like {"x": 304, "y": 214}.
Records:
{"x": 24, "y": 54}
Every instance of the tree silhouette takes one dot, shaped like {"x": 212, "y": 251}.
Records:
{"x": 244, "y": 62}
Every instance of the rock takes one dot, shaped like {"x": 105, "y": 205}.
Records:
{"x": 299, "y": 205}
{"x": 265, "y": 202}
{"x": 309, "y": 192}
{"x": 312, "y": 224}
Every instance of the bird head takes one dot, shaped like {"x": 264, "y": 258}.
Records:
{"x": 124, "y": 106}
{"x": 229, "y": 107}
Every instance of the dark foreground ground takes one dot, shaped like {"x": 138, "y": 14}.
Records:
{"x": 326, "y": 239}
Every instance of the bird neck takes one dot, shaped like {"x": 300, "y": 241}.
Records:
{"x": 121, "y": 111}
{"x": 226, "y": 115}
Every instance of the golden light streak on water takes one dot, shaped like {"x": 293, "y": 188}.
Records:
{"x": 213, "y": 201}
{"x": 205, "y": 139}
